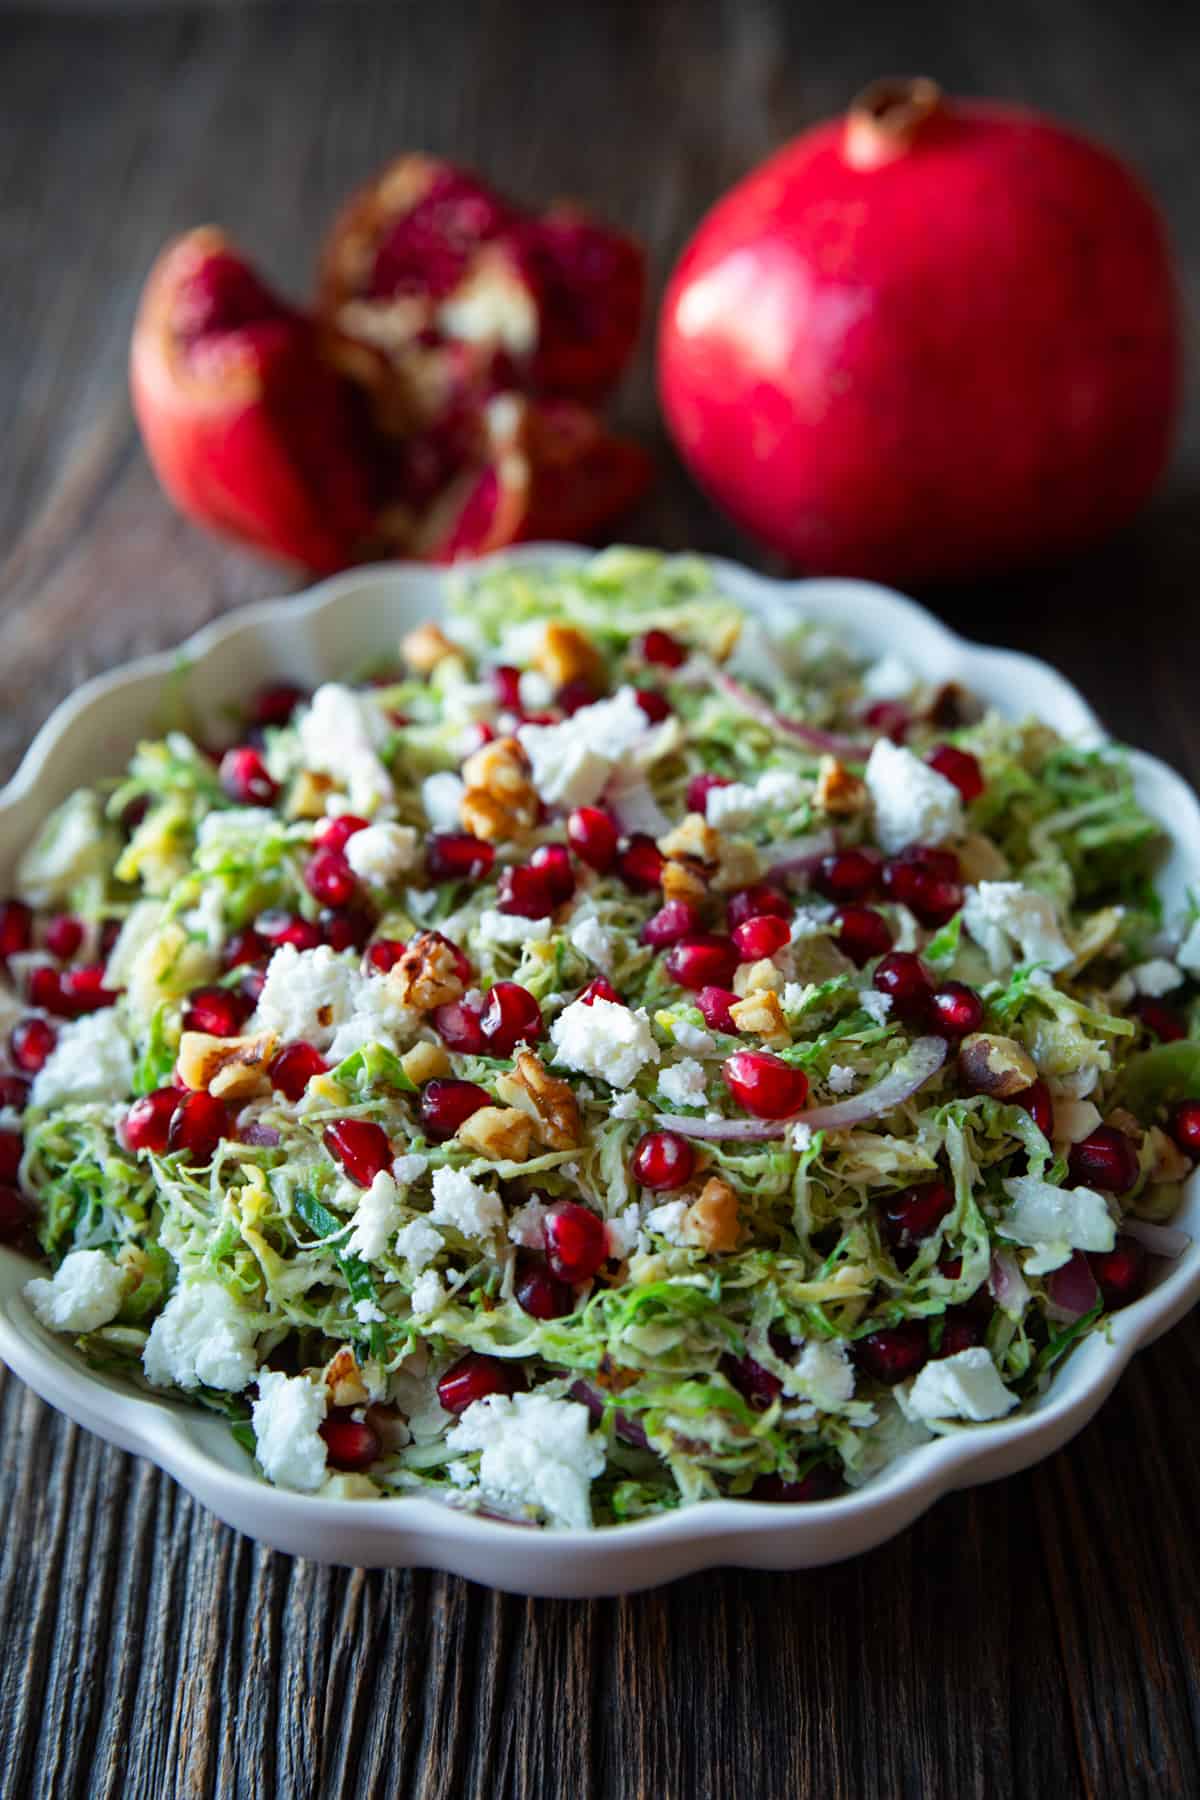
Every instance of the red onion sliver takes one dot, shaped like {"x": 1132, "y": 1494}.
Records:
{"x": 800, "y": 856}
{"x": 765, "y": 713}
{"x": 1006, "y": 1284}
{"x": 265, "y": 1137}
{"x": 1160, "y": 1240}
{"x": 1071, "y": 1291}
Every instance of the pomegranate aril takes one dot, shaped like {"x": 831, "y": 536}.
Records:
{"x": 592, "y": 835}
{"x": 553, "y": 864}
{"x": 656, "y": 706}
{"x": 955, "y": 1010}
{"x": 459, "y": 1026}
{"x": 1036, "y": 1101}
{"x": 15, "y": 1215}
{"x": 674, "y": 920}
{"x": 12, "y": 1148}
{"x": 761, "y": 936}
{"x": 1161, "y": 1019}
{"x": 360, "y": 1146}
{"x": 895, "y": 1353}
{"x": 474, "y": 1377}
{"x": 457, "y": 856}
{"x": 863, "y": 933}
{"x": 764, "y": 1085}
{"x": 714, "y": 1003}
{"x": 821, "y": 1483}
{"x": 30, "y": 1043}
{"x": 640, "y": 864}
{"x": 663, "y": 1160}
{"x": 847, "y": 875}
{"x": 384, "y": 954}
{"x": 244, "y": 947}
{"x": 1184, "y": 1126}
{"x": 761, "y": 900}
{"x": 576, "y": 1241}
{"x": 16, "y": 928}
{"x": 916, "y": 1212}
{"x": 758, "y": 1387}
{"x": 600, "y": 988}
{"x": 445, "y": 1105}
{"x": 575, "y": 694}
{"x": 335, "y": 833}
{"x": 962, "y": 1330}
{"x": 700, "y": 787}
{"x": 960, "y": 767}
{"x": 294, "y": 1067}
{"x": 275, "y": 705}
{"x": 906, "y": 981}
{"x": 510, "y": 1017}
{"x": 506, "y": 685}
{"x": 286, "y": 928}
{"x": 329, "y": 878}
{"x": 1120, "y": 1272}
{"x": 62, "y": 936}
{"x": 221, "y": 1012}
{"x": 351, "y": 1445}
{"x": 526, "y": 892}
{"x": 147, "y": 1124}
{"x": 888, "y": 718}
{"x": 245, "y": 778}
{"x": 541, "y": 1294}
{"x": 84, "y": 991}
{"x": 45, "y": 989}
{"x": 705, "y": 960}
{"x": 899, "y": 873}
{"x": 14, "y": 1092}
{"x": 345, "y": 927}
{"x": 251, "y": 985}
{"x": 661, "y": 648}
{"x": 197, "y": 1126}
{"x": 1105, "y": 1160}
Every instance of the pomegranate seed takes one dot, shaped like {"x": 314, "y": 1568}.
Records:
{"x": 889, "y": 718}
{"x": 361, "y": 1147}
{"x": 761, "y": 900}
{"x": 446, "y": 1104}
{"x": 14, "y": 1092}
{"x": 252, "y": 984}
{"x": 285, "y": 928}
{"x": 506, "y": 685}
{"x": 764, "y": 1085}
{"x": 221, "y": 1012}
{"x": 821, "y": 1483}
{"x": 345, "y": 927}
{"x": 660, "y": 647}
{"x": 110, "y": 931}
{"x": 656, "y": 706}
{"x": 134, "y": 813}
{"x": 335, "y": 834}
{"x": 1184, "y": 1126}
{"x": 949, "y": 1266}
{"x": 1105, "y": 1160}
{"x": 592, "y": 835}
{"x": 761, "y": 936}
{"x": 600, "y": 988}
{"x": 244, "y": 947}
{"x": 663, "y": 1160}
{"x": 1120, "y": 1272}
{"x": 148, "y": 1121}
{"x": 575, "y": 694}
{"x": 30, "y": 1043}
{"x": 473, "y": 1377}
{"x": 916, "y": 1213}
{"x": 863, "y": 933}
{"x": 197, "y": 1126}
{"x": 62, "y": 936}
{"x": 674, "y": 920}
{"x": 16, "y": 928}
{"x": 14, "y": 1215}
{"x": 329, "y": 877}
{"x": 705, "y": 960}
{"x": 895, "y": 1353}
{"x": 350, "y": 1444}
{"x": 457, "y": 856}
{"x": 714, "y": 1003}
{"x": 459, "y": 1027}
{"x": 900, "y": 874}
{"x": 955, "y": 1010}
{"x": 757, "y": 1386}
{"x": 12, "y": 1148}
{"x": 700, "y": 787}
{"x": 1036, "y": 1101}
{"x": 384, "y": 954}
{"x": 576, "y": 1241}
{"x": 46, "y": 990}
{"x": 962, "y": 1330}
{"x": 526, "y": 892}
{"x": 960, "y": 767}
{"x": 847, "y": 875}
{"x": 553, "y": 864}
{"x": 541, "y": 1294}
{"x": 245, "y": 778}
{"x": 294, "y": 1067}
{"x": 84, "y": 991}
{"x": 275, "y": 705}
{"x": 640, "y": 864}
{"x": 1161, "y": 1019}
{"x": 908, "y": 983}
{"x": 511, "y": 1016}
{"x": 924, "y": 887}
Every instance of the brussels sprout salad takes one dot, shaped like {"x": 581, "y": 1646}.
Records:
{"x": 617, "y": 1052}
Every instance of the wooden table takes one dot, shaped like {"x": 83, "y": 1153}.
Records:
{"x": 1039, "y": 1636}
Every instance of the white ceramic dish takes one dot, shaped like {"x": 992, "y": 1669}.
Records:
{"x": 324, "y": 632}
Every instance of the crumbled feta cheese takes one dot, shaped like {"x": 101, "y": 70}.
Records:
{"x": 625, "y": 1106}
{"x": 287, "y": 1441}
{"x": 1000, "y": 913}
{"x": 877, "y": 1006}
{"x": 810, "y": 922}
{"x": 84, "y": 1292}
{"x": 375, "y": 1219}
{"x": 1122, "y": 990}
{"x": 593, "y": 942}
{"x": 1188, "y": 954}
{"x": 410, "y": 1168}
{"x": 966, "y": 1385}
{"x": 341, "y": 734}
{"x": 509, "y": 928}
{"x": 1053, "y": 1221}
{"x": 382, "y": 853}
{"x": 92, "y": 1060}
{"x": 888, "y": 679}
{"x": 571, "y": 763}
{"x": 536, "y": 1452}
{"x": 428, "y": 1293}
{"x": 535, "y": 691}
{"x": 913, "y": 804}
{"x": 462, "y": 1202}
{"x": 418, "y": 1243}
{"x": 796, "y": 995}
{"x": 666, "y": 1220}
{"x": 778, "y": 790}
{"x": 690, "y": 1037}
{"x": 824, "y": 1372}
{"x": 621, "y": 1233}
{"x": 683, "y": 1083}
{"x": 466, "y": 702}
{"x": 801, "y": 1135}
{"x": 604, "y": 1039}
{"x": 308, "y": 993}
{"x": 526, "y": 1227}
{"x": 841, "y": 1078}
{"x": 441, "y": 796}
{"x": 1157, "y": 977}
{"x": 201, "y": 1337}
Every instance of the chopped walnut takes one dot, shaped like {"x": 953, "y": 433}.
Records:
{"x": 233, "y": 1068}
{"x": 683, "y": 881}
{"x": 951, "y": 705}
{"x": 1126, "y": 1124}
{"x": 426, "y": 974}
{"x": 757, "y": 978}
{"x": 980, "y": 860}
{"x": 1170, "y": 1164}
{"x": 307, "y": 796}
{"x": 567, "y": 654}
{"x": 711, "y": 1221}
{"x": 425, "y": 1062}
{"x": 343, "y": 1378}
{"x": 694, "y": 836}
{"x": 501, "y": 1133}
{"x": 549, "y": 1101}
{"x": 996, "y": 1066}
{"x": 500, "y": 802}
{"x": 761, "y": 1014}
{"x": 838, "y": 791}
{"x": 425, "y": 647}
{"x": 738, "y": 865}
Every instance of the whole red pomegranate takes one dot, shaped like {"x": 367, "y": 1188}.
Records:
{"x": 926, "y": 340}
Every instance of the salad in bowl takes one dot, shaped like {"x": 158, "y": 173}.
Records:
{"x": 623, "y": 1052}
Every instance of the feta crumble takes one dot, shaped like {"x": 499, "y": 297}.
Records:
{"x": 418, "y": 1243}
{"x": 571, "y": 763}
{"x": 462, "y": 1202}
{"x": 778, "y": 790}
{"x": 202, "y": 1337}
{"x": 287, "y": 1441}
{"x": 966, "y": 1385}
{"x": 888, "y": 679}
{"x": 689, "y": 1037}
{"x": 683, "y": 1083}
{"x": 535, "y": 1452}
{"x": 341, "y": 733}
{"x": 604, "y": 1039}
{"x": 84, "y": 1292}
{"x": 382, "y": 853}
{"x": 509, "y": 928}
{"x": 824, "y": 1373}
{"x": 527, "y": 1225}
{"x": 841, "y": 1078}
{"x": 442, "y": 797}
{"x": 92, "y": 1060}
{"x": 877, "y": 1006}
{"x": 376, "y": 1218}
{"x": 1157, "y": 977}
{"x": 913, "y": 804}
{"x": 593, "y": 942}
{"x": 428, "y": 1293}
{"x": 1000, "y": 913}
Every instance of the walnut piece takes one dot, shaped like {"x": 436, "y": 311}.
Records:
{"x": 711, "y": 1221}
{"x": 307, "y": 796}
{"x": 425, "y": 1062}
{"x": 693, "y": 836}
{"x": 233, "y": 1068}
{"x": 343, "y": 1378}
{"x": 761, "y": 1014}
{"x": 757, "y": 978}
{"x": 426, "y": 974}
{"x": 738, "y": 864}
{"x": 567, "y": 654}
{"x": 838, "y": 791}
{"x": 501, "y": 1133}
{"x": 1170, "y": 1164}
{"x": 548, "y": 1101}
{"x": 683, "y": 881}
{"x": 500, "y": 802}
{"x": 425, "y": 647}
{"x": 996, "y": 1066}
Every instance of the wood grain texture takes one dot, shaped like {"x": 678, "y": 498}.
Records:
{"x": 1039, "y": 1636}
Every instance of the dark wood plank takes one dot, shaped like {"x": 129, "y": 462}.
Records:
{"x": 1039, "y": 1635}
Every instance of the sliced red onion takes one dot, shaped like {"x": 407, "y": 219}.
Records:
{"x": 765, "y": 713}
{"x": 1160, "y": 1240}
{"x": 1006, "y": 1284}
{"x": 264, "y": 1137}
{"x": 1071, "y": 1291}
{"x": 626, "y": 1428}
{"x": 923, "y": 1059}
{"x": 800, "y": 856}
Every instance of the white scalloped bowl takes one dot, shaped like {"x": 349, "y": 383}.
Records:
{"x": 321, "y": 633}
